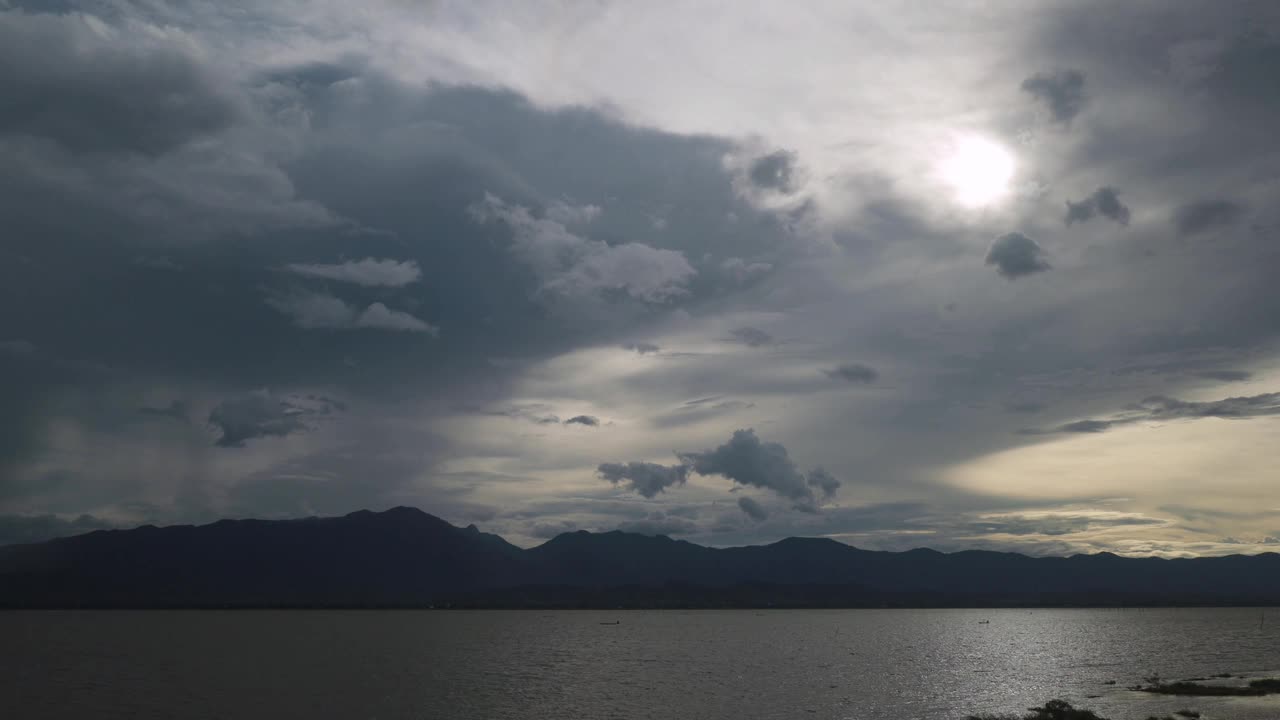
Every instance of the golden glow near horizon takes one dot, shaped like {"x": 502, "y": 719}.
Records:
{"x": 978, "y": 170}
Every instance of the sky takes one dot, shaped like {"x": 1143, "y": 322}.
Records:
{"x": 955, "y": 274}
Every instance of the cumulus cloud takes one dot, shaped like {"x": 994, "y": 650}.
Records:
{"x": 645, "y": 478}
{"x": 379, "y": 317}
{"x": 573, "y": 266}
{"x": 753, "y": 509}
{"x": 824, "y": 481}
{"x": 567, "y": 214}
{"x": 749, "y": 462}
{"x": 261, "y": 414}
{"x": 751, "y": 337}
{"x": 1104, "y": 201}
{"x": 853, "y": 373}
{"x": 588, "y": 420}
{"x": 313, "y": 310}
{"x": 1205, "y": 215}
{"x": 1061, "y": 90}
{"x": 741, "y": 271}
{"x": 1015, "y": 255}
{"x": 369, "y": 272}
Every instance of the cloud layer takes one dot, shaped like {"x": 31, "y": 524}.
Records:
{"x": 480, "y": 284}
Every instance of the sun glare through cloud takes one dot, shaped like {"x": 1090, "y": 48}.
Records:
{"x": 978, "y": 170}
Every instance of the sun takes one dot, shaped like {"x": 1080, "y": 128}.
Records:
{"x": 978, "y": 170}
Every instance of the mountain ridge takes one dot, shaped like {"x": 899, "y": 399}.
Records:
{"x": 404, "y": 557}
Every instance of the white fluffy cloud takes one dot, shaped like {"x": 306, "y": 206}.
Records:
{"x": 574, "y": 266}
{"x": 315, "y": 310}
{"x": 369, "y": 272}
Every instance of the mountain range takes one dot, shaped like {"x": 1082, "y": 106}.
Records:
{"x": 404, "y": 557}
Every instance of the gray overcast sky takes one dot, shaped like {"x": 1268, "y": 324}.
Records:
{"x": 961, "y": 274}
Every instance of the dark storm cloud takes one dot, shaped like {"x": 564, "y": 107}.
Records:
{"x": 824, "y": 481}
{"x": 1104, "y": 201}
{"x": 588, "y": 420}
{"x": 17, "y": 347}
{"x": 1246, "y": 71}
{"x": 15, "y": 529}
{"x": 1202, "y": 216}
{"x": 853, "y": 373}
{"x": 377, "y": 464}
{"x": 69, "y": 82}
{"x": 1061, "y": 90}
{"x": 344, "y": 169}
{"x": 641, "y": 348}
{"x": 753, "y": 509}
{"x": 775, "y": 171}
{"x": 1226, "y": 375}
{"x": 1015, "y": 255}
{"x": 260, "y": 414}
{"x": 647, "y": 479}
{"x": 751, "y": 337}
{"x": 1164, "y": 408}
{"x": 175, "y": 410}
{"x": 749, "y": 462}
{"x": 264, "y": 297}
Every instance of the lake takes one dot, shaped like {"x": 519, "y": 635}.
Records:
{"x": 459, "y": 665}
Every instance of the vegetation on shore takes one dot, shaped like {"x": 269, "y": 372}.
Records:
{"x": 1265, "y": 686}
{"x": 1063, "y": 710}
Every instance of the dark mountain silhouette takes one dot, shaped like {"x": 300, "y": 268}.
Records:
{"x": 406, "y": 558}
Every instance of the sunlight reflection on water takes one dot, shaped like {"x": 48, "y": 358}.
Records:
{"x": 859, "y": 664}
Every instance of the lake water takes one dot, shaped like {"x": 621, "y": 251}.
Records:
{"x": 738, "y": 665}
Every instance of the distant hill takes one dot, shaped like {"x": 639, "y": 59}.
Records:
{"x": 406, "y": 558}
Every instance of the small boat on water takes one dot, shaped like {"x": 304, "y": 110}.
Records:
{"x": 615, "y": 622}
